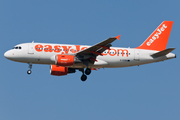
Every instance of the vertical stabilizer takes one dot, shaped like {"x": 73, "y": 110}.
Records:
{"x": 159, "y": 38}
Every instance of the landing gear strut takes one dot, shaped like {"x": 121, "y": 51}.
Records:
{"x": 29, "y": 71}
{"x": 87, "y": 72}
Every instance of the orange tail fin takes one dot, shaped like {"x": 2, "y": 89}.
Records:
{"x": 159, "y": 38}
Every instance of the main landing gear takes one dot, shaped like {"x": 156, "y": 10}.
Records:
{"x": 87, "y": 72}
{"x": 29, "y": 71}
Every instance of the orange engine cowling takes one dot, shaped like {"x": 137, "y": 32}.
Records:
{"x": 64, "y": 60}
{"x": 58, "y": 70}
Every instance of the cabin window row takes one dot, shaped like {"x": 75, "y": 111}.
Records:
{"x": 56, "y": 49}
{"x": 78, "y": 51}
{"x": 117, "y": 53}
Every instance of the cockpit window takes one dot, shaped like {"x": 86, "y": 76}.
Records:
{"x": 17, "y": 47}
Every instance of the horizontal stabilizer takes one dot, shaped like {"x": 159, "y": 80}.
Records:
{"x": 162, "y": 53}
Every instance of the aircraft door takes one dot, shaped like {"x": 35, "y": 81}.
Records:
{"x": 136, "y": 55}
{"x": 31, "y": 48}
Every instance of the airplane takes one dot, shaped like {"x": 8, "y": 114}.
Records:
{"x": 65, "y": 59}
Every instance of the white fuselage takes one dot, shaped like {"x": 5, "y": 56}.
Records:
{"x": 44, "y": 53}
{"x": 65, "y": 59}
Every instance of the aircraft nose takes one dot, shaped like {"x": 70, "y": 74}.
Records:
{"x": 7, "y": 54}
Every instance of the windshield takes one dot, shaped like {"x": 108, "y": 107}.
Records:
{"x": 17, "y": 47}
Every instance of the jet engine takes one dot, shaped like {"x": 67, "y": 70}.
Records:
{"x": 65, "y": 60}
{"x": 60, "y": 71}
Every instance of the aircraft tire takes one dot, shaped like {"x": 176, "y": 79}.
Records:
{"x": 83, "y": 77}
{"x": 29, "y": 72}
{"x": 88, "y": 71}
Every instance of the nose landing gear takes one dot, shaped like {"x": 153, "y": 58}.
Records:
{"x": 29, "y": 71}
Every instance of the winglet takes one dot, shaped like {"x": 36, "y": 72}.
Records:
{"x": 117, "y": 37}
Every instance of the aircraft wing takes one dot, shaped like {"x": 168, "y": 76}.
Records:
{"x": 99, "y": 48}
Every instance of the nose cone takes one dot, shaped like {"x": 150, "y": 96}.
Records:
{"x": 8, "y": 55}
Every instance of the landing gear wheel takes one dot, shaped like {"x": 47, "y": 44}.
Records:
{"x": 83, "y": 77}
{"x": 88, "y": 71}
{"x": 29, "y": 72}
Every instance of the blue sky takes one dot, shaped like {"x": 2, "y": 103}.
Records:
{"x": 147, "y": 92}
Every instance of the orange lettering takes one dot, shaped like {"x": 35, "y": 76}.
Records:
{"x": 39, "y": 48}
{"x": 83, "y": 48}
{"x": 57, "y": 48}
{"x": 73, "y": 51}
{"x": 77, "y": 49}
{"x": 113, "y": 53}
{"x": 104, "y": 54}
{"x": 48, "y": 48}
{"x": 66, "y": 49}
{"x": 122, "y": 52}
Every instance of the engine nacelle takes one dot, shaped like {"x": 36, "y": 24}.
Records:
{"x": 64, "y": 60}
{"x": 58, "y": 70}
